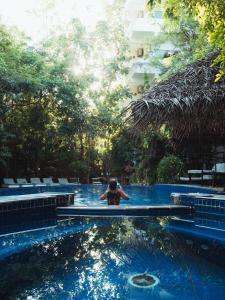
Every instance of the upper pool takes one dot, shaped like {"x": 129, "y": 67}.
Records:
{"x": 138, "y": 195}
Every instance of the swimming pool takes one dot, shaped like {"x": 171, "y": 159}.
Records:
{"x": 94, "y": 258}
{"x": 139, "y": 195}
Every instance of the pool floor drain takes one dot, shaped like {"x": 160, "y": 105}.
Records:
{"x": 143, "y": 280}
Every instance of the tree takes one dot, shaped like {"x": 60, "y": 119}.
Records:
{"x": 210, "y": 16}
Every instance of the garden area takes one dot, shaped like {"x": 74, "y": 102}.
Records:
{"x": 112, "y": 149}
{"x": 67, "y": 109}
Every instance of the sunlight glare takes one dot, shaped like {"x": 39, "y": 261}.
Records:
{"x": 37, "y": 18}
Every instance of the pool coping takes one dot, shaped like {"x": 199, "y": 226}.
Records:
{"x": 133, "y": 211}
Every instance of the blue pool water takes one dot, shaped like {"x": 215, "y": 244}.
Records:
{"x": 138, "y": 195}
{"x": 89, "y": 194}
{"x": 93, "y": 258}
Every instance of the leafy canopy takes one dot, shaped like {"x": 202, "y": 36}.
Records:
{"x": 210, "y": 15}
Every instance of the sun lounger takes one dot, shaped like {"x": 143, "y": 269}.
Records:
{"x": 23, "y": 182}
{"x": 188, "y": 179}
{"x": 96, "y": 181}
{"x": 198, "y": 175}
{"x": 217, "y": 168}
{"x": 37, "y": 181}
{"x": 10, "y": 183}
{"x": 49, "y": 181}
{"x": 204, "y": 175}
{"x": 64, "y": 181}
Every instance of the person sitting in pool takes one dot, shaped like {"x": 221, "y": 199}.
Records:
{"x": 113, "y": 193}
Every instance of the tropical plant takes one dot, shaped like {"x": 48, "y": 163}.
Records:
{"x": 169, "y": 169}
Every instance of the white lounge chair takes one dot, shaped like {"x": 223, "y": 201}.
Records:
{"x": 204, "y": 175}
{"x": 10, "y": 183}
{"x": 49, "y": 181}
{"x": 198, "y": 175}
{"x": 217, "y": 168}
{"x": 37, "y": 181}
{"x": 23, "y": 182}
{"x": 64, "y": 181}
{"x": 96, "y": 181}
{"x": 187, "y": 179}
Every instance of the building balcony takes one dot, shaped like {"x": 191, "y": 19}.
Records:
{"x": 143, "y": 70}
{"x": 133, "y": 8}
{"x": 144, "y": 28}
{"x": 165, "y": 50}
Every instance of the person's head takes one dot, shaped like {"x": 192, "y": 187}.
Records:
{"x": 113, "y": 184}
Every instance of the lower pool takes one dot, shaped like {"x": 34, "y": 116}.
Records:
{"x": 95, "y": 258}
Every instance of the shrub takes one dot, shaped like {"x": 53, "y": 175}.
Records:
{"x": 169, "y": 169}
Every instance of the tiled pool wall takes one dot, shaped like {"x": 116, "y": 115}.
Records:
{"x": 33, "y": 201}
{"x": 13, "y": 223}
{"x": 212, "y": 204}
{"x": 210, "y": 221}
{"x": 204, "y": 200}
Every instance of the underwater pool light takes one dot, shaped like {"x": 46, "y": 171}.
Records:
{"x": 143, "y": 280}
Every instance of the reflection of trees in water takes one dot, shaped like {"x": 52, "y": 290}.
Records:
{"x": 98, "y": 247}
{"x": 90, "y": 258}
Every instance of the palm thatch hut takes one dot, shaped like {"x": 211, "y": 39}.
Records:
{"x": 190, "y": 104}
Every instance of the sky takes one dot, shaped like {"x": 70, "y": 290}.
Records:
{"x": 33, "y": 17}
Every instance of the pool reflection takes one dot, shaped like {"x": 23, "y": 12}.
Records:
{"x": 96, "y": 261}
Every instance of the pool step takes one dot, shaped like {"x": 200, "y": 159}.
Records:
{"x": 122, "y": 210}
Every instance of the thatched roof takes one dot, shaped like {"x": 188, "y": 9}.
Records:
{"x": 190, "y": 102}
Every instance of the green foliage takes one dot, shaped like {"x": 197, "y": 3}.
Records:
{"x": 45, "y": 95}
{"x": 169, "y": 169}
{"x": 143, "y": 151}
{"x": 38, "y": 98}
{"x": 4, "y": 150}
{"x": 209, "y": 27}
{"x": 124, "y": 149}
{"x": 60, "y": 115}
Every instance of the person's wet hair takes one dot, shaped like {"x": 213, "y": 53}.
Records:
{"x": 112, "y": 184}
